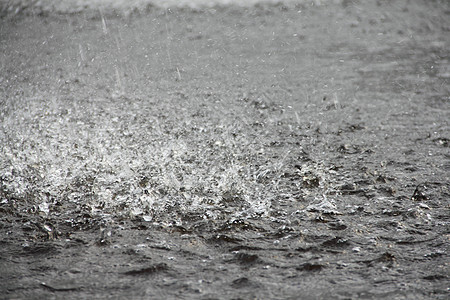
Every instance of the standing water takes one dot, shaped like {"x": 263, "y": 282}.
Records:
{"x": 235, "y": 149}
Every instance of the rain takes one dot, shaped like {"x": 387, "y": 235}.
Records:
{"x": 224, "y": 149}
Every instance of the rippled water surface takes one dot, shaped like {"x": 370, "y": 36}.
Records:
{"x": 267, "y": 151}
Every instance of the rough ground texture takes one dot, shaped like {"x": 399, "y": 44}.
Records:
{"x": 273, "y": 151}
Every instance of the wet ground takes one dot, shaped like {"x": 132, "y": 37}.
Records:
{"x": 270, "y": 152}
